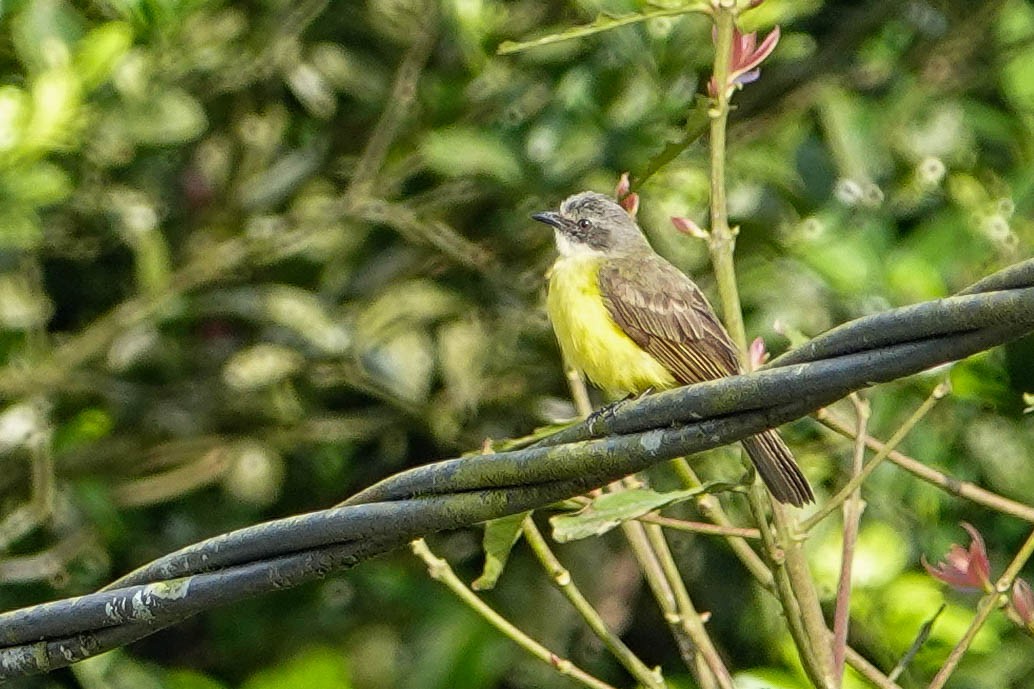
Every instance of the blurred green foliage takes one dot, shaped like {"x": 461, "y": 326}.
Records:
{"x": 254, "y": 256}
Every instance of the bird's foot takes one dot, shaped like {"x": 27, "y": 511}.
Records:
{"x": 607, "y": 412}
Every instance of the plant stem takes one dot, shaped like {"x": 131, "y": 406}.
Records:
{"x": 803, "y": 587}
{"x": 440, "y": 570}
{"x": 852, "y": 516}
{"x": 579, "y": 393}
{"x": 711, "y": 508}
{"x": 692, "y": 621}
{"x": 722, "y": 240}
{"x": 700, "y": 527}
{"x": 403, "y": 96}
{"x": 685, "y": 624}
{"x": 562, "y": 579}
{"x": 963, "y": 489}
{"x": 659, "y": 570}
{"x": 987, "y": 604}
{"x": 783, "y": 588}
{"x": 935, "y": 396}
{"x": 868, "y": 670}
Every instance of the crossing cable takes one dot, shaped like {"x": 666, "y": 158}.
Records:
{"x": 460, "y": 492}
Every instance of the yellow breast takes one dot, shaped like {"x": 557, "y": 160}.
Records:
{"x": 589, "y": 337}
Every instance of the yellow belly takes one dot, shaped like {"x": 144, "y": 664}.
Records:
{"x": 590, "y": 339}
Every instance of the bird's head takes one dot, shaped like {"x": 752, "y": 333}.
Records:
{"x": 590, "y": 223}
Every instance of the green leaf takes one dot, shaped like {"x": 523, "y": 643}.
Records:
{"x": 100, "y": 50}
{"x": 56, "y": 99}
{"x": 603, "y": 22}
{"x": 279, "y": 180}
{"x": 36, "y": 185}
{"x": 611, "y": 509}
{"x": 190, "y": 679}
{"x": 86, "y": 427}
{"x": 462, "y": 151}
{"x": 501, "y": 535}
{"x": 316, "y": 668}
{"x": 15, "y": 109}
{"x": 41, "y": 33}
{"x": 171, "y": 116}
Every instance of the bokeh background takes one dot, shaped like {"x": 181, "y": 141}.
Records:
{"x": 256, "y": 255}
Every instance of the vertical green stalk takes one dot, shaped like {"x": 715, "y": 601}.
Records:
{"x": 722, "y": 240}
{"x": 791, "y": 577}
{"x": 776, "y": 549}
{"x": 793, "y": 583}
{"x": 853, "y": 508}
{"x": 658, "y": 568}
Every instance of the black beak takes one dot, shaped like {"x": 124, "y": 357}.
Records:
{"x": 549, "y": 217}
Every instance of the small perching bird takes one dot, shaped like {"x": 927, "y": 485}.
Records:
{"x": 633, "y": 322}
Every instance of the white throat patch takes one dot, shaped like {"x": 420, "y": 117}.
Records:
{"x": 568, "y": 249}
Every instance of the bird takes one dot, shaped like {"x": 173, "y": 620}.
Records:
{"x": 633, "y": 323}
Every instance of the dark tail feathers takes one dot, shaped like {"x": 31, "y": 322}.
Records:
{"x": 778, "y": 469}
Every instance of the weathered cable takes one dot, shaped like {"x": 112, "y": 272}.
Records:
{"x": 460, "y": 492}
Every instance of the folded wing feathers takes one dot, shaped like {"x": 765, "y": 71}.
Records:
{"x": 667, "y": 316}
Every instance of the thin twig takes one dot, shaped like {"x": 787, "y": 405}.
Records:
{"x": 868, "y": 670}
{"x": 658, "y": 568}
{"x": 917, "y": 643}
{"x": 803, "y": 586}
{"x": 50, "y": 564}
{"x": 701, "y": 527}
{"x": 711, "y": 508}
{"x": 935, "y": 396}
{"x": 39, "y": 508}
{"x": 400, "y": 100}
{"x": 691, "y": 621}
{"x": 793, "y": 582}
{"x": 656, "y": 563}
{"x": 561, "y": 577}
{"x": 963, "y": 489}
{"x": 783, "y": 588}
{"x": 419, "y": 228}
{"x": 440, "y": 570}
{"x": 852, "y": 516}
{"x": 987, "y": 604}
{"x": 579, "y": 392}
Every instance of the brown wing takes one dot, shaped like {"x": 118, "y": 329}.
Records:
{"x": 665, "y": 313}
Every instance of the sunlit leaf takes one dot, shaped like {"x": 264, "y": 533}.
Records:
{"x": 315, "y": 668}
{"x": 55, "y": 103}
{"x": 37, "y": 185}
{"x": 100, "y": 50}
{"x": 461, "y": 151}
{"x": 42, "y": 33}
{"x": 260, "y": 366}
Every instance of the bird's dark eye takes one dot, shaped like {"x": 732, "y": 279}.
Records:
{"x": 584, "y": 223}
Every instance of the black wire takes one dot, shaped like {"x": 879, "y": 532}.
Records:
{"x": 461, "y": 492}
